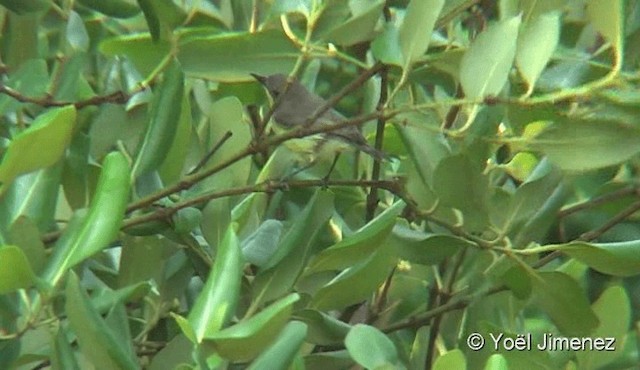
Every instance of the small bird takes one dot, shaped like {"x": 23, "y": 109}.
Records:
{"x": 298, "y": 105}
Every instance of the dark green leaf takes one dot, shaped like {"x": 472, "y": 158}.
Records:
{"x": 232, "y": 56}
{"x": 415, "y": 32}
{"x": 246, "y": 339}
{"x": 93, "y": 231}
{"x": 371, "y": 348}
{"x": 97, "y": 341}
{"x": 485, "y": 66}
{"x": 281, "y": 353}
{"x": 451, "y": 360}
{"x": 161, "y": 131}
{"x": 216, "y": 303}
{"x": 617, "y": 259}
{"x": 15, "y": 271}
{"x": 323, "y": 328}
{"x": 565, "y": 302}
{"x": 112, "y": 8}
{"x": 51, "y": 130}
{"x": 360, "y": 245}
{"x": 587, "y": 145}
{"x": 25, "y": 6}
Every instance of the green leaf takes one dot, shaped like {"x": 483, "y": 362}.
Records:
{"x": 420, "y": 247}
{"x": 485, "y": 67}
{"x": 63, "y": 356}
{"x": 386, "y": 47}
{"x": 356, "y": 283}
{"x": 613, "y": 309}
{"x": 451, "y": 360}
{"x": 162, "y": 17}
{"x": 105, "y": 299}
{"x": 165, "y": 115}
{"x": 92, "y": 232}
{"x": 360, "y": 26}
{"x": 537, "y": 224}
{"x": 246, "y": 339}
{"x": 20, "y": 38}
{"x": 287, "y": 6}
{"x": 50, "y": 131}
{"x": 359, "y": 246}
{"x": 77, "y": 35}
{"x": 526, "y": 201}
{"x": 283, "y": 350}
{"x": 426, "y": 151}
{"x": 96, "y": 339}
{"x": 286, "y": 264}
{"x": 616, "y": 259}
{"x": 24, "y": 234}
{"x": 260, "y": 246}
{"x": 536, "y": 43}
{"x": 324, "y": 329}
{"x": 587, "y": 145}
{"x": 31, "y": 79}
{"x": 517, "y": 280}
{"x": 112, "y": 8}
{"x": 216, "y": 304}
{"x": 226, "y": 117}
{"x": 565, "y": 302}
{"x": 177, "y": 352}
{"x": 415, "y": 32}
{"x": 608, "y": 18}
{"x": 371, "y": 348}
{"x": 25, "y": 6}
{"x": 15, "y": 271}
{"x": 459, "y": 183}
{"x": 496, "y": 362}
{"x": 139, "y": 48}
{"x": 235, "y": 55}
{"x": 173, "y": 164}
{"x": 33, "y": 195}
{"x": 75, "y": 173}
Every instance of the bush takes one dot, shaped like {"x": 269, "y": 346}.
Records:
{"x": 154, "y": 216}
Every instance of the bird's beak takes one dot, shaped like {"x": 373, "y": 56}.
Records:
{"x": 259, "y": 78}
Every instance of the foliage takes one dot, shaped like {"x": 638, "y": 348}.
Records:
{"x": 151, "y": 218}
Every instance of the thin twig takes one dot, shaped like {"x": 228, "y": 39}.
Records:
{"x": 227, "y": 135}
{"x": 454, "y": 304}
{"x": 331, "y": 102}
{"x": 256, "y": 147}
{"x": 618, "y": 218}
{"x": 372, "y": 197}
{"x": 593, "y": 234}
{"x": 117, "y": 97}
{"x": 265, "y": 187}
{"x": 592, "y": 203}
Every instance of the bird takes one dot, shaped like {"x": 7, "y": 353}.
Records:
{"x": 295, "y": 108}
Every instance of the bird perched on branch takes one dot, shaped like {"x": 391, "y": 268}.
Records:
{"x": 296, "y": 105}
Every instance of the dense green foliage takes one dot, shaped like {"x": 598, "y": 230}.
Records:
{"x": 151, "y": 217}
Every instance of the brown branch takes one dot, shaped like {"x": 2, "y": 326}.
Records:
{"x": 227, "y": 135}
{"x": 162, "y": 213}
{"x": 593, "y": 234}
{"x": 618, "y": 218}
{"x": 266, "y": 187}
{"x": 372, "y": 197}
{"x": 331, "y": 102}
{"x": 454, "y": 304}
{"x": 254, "y": 148}
{"x": 117, "y": 97}
{"x": 592, "y": 203}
